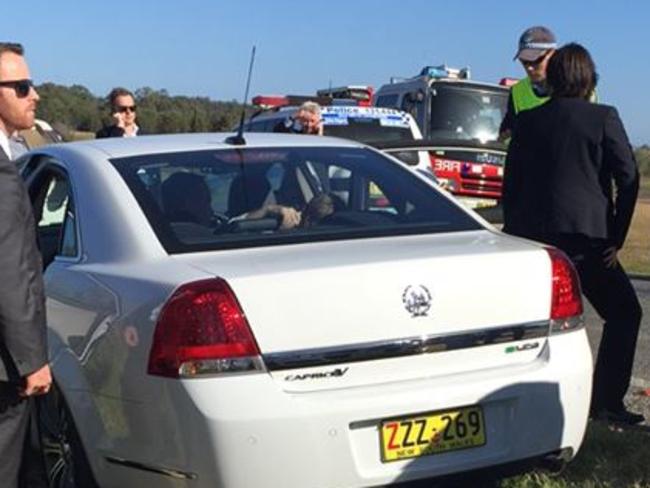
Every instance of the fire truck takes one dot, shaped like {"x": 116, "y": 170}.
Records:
{"x": 449, "y": 106}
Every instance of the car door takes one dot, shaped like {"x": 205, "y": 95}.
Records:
{"x": 77, "y": 304}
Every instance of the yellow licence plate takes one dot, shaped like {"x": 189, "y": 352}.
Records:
{"x": 432, "y": 433}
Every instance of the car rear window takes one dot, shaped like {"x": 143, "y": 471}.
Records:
{"x": 230, "y": 198}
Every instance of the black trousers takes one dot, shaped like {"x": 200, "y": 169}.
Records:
{"x": 14, "y": 418}
{"x": 611, "y": 293}
{"x": 21, "y": 460}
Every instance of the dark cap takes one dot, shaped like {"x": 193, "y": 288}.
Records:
{"x": 534, "y": 42}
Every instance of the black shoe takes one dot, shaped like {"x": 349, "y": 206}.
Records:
{"x": 620, "y": 416}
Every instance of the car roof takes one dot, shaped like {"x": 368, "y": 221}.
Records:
{"x": 418, "y": 81}
{"x": 133, "y": 146}
{"x": 333, "y": 109}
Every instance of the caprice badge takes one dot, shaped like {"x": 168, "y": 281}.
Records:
{"x": 417, "y": 300}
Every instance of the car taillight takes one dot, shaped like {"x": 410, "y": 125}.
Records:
{"x": 566, "y": 299}
{"x": 202, "y": 330}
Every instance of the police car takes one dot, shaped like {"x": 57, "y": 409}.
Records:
{"x": 369, "y": 125}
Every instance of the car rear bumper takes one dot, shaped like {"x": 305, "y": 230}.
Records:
{"x": 248, "y": 432}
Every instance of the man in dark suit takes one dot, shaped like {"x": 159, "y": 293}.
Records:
{"x": 123, "y": 115}
{"x": 564, "y": 159}
{"x": 24, "y": 370}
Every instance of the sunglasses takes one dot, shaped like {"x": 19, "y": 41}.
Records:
{"x": 534, "y": 62}
{"x": 125, "y": 108}
{"x": 22, "y": 87}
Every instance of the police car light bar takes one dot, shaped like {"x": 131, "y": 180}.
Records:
{"x": 269, "y": 101}
{"x": 362, "y": 93}
{"x": 275, "y": 101}
{"x": 443, "y": 71}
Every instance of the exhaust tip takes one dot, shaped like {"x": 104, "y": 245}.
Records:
{"x": 556, "y": 462}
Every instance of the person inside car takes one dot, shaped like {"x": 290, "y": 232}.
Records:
{"x": 317, "y": 209}
{"x": 186, "y": 197}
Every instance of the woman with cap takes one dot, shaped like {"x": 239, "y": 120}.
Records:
{"x": 571, "y": 181}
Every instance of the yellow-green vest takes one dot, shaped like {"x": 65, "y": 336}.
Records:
{"x": 523, "y": 96}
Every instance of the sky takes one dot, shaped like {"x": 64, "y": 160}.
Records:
{"x": 202, "y": 47}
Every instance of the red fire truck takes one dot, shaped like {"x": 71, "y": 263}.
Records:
{"x": 448, "y": 105}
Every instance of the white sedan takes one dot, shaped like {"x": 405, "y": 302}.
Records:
{"x": 293, "y": 312}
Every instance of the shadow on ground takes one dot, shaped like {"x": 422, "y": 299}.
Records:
{"x": 610, "y": 457}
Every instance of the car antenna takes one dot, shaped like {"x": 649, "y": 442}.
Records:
{"x": 238, "y": 139}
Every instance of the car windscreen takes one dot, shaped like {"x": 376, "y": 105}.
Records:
{"x": 231, "y": 198}
{"x": 367, "y": 130}
{"x": 466, "y": 112}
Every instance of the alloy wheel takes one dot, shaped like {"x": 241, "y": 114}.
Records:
{"x": 58, "y": 440}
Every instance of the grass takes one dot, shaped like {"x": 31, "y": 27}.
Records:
{"x": 635, "y": 255}
{"x": 608, "y": 459}
{"x": 644, "y": 189}
{"x": 77, "y": 135}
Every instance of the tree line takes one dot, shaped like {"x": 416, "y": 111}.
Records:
{"x": 75, "y": 109}
{"x": 643, "y": 159}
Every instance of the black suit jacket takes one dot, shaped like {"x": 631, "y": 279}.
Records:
{"x": 109, "y": 131}
{"x": 114, "y": 131}
{"x": 23, "y": 345}
{"x": 563, "y": 160}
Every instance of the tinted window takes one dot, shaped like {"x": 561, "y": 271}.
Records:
{"x": 236, "y": 198}
{"x": 387, "y": 101}
{"x": 259, "y": 126}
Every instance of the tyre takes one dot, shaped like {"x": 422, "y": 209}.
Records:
{"x": 65, "y": 460}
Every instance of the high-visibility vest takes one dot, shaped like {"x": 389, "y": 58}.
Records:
{"x": 524, "y": 97}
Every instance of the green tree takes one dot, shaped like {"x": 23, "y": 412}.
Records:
{"x": 643, "y": 159}
{"x": 75, "y": 108}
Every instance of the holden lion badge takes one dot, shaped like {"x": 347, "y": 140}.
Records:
{"x": 417, "y": 300}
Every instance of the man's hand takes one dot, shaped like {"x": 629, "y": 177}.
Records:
{"x": 609, "y": 257}
{"x": 38, "y": 382}
{"x": 290, "y": 217}
{"x": 118, "y": 120}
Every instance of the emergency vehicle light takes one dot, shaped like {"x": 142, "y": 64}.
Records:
{"x": 443, "y": 71}
{"x": 362, "y": 94}
{"x": 275, "y": 101}
{"x": 268, "y": 101}
{"x": 508, "y": 82}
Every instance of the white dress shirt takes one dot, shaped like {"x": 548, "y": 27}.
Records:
{"x": 4, "y": 144}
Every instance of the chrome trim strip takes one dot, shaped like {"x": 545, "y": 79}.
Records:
{"x": 172, "y": 473}
{"x": 411, "y": 346}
